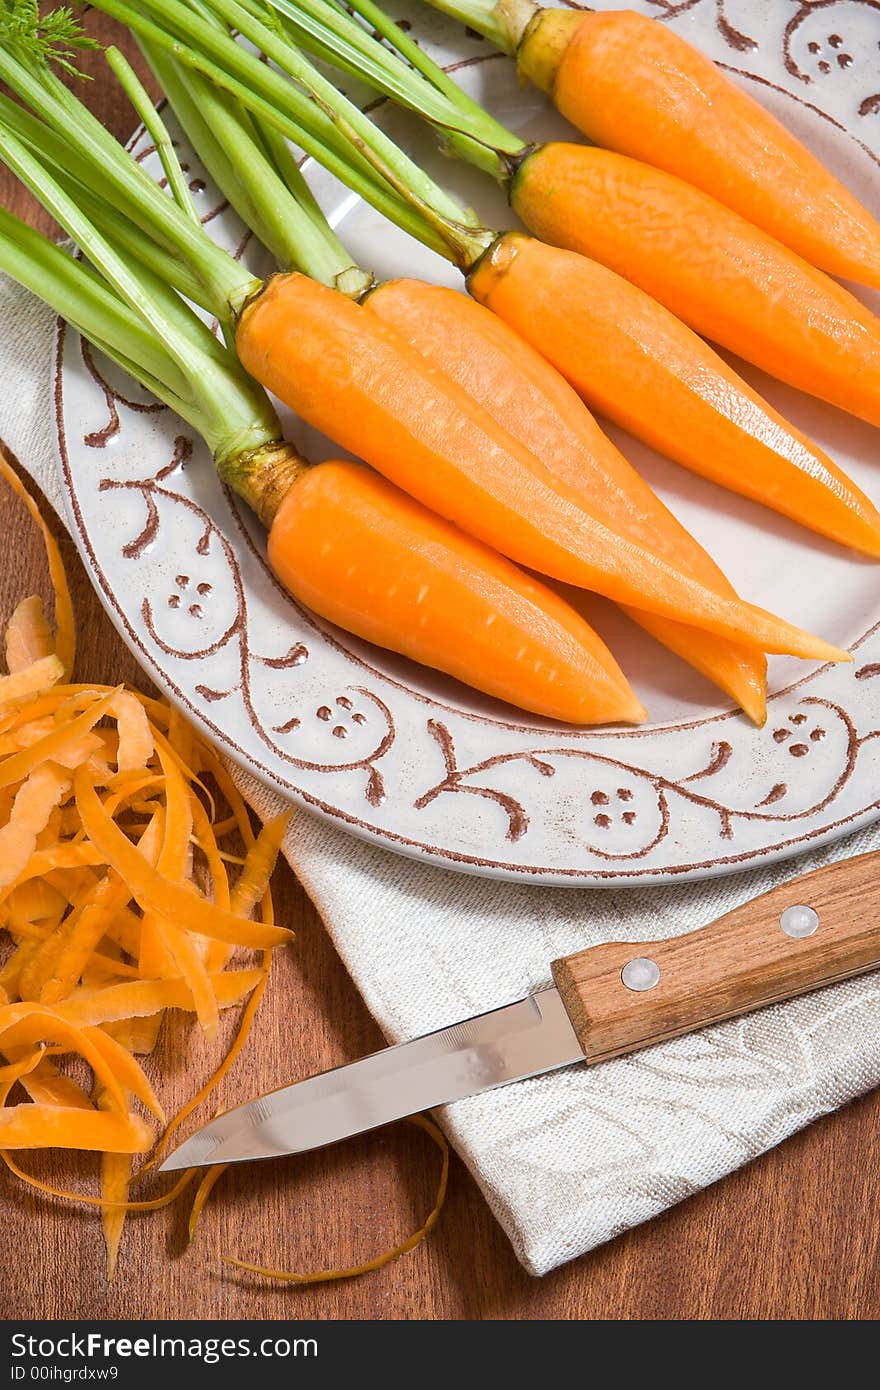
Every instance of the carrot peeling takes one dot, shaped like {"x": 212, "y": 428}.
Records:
{"x": 119, "y": 906}
{"x": 324, "y": 1276}
{"x": 28, "y": 636}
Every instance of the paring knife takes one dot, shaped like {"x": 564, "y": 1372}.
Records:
{"x": 608, "y": 1000}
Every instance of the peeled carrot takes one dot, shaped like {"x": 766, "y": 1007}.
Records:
{"x": 459, "y": 605}
{"x": 633, "y": 85}
{"x": 358, "y": 380}
{"x": 523, "y": 392}
{"x": 634, "y": 361}
{"x": 726, "y": 278}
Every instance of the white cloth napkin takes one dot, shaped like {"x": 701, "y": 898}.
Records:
{"x": 569, "y": 1160}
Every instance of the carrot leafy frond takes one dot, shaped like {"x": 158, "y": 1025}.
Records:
{"x": 54, "y": 38}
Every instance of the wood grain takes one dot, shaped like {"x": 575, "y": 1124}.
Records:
{"x": 743, "y": 961}
{"x": 795, "y": 1235}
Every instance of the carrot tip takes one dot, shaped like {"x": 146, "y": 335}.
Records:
{"x": 635, "y": 713}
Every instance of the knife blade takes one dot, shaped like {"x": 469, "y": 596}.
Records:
{"x": 605, "y": 1001}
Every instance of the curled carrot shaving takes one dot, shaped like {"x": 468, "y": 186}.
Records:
{"x": 111, "y": 917}
{"x": 84, "y": 1199}
{"x": 65, "y": 631}
{"x": 128, "y": 1071}
{"x": 247, "y": 1019}
{"x": 323, "y": 1276}
{"x": 28, "y": 1022}
{"x": 78, "y": 939}
{"x": 34, "y": 802}
{"x": 31, "y": 681}
{"x": 135, "y": 739}
{"x": 210, "y": 1179}
{"x": 20, "y": 765}
{"x": 115, "y": 1181}
{"x": 28, "y": 638}
{"x": 54, "y": 1126}
{"x": 159, "y": 895}
{"x": 46, "y": 1084}
{"x": 141, "y": 998}
{"x": 254, "y": 877}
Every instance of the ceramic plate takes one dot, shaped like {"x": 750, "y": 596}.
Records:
{"x": 418, "y": 763}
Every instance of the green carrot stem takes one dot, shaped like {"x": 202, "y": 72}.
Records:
{"x": 127, "y": 237}
{"x": 286, "y": 167}
{"x": 223, "y": 135}
{"x": 412, "y": 93}
{"x": 458, "y": 229}
{"x": 303, "y": 235}
{"x": 156, "y": 129}
{"x": 86, "y": 302}
{"x": 403, "y": 72}
{"x": 75, "y": 175}
{"x": 227, "y": 284}
{"x": 229, "y": 410}
{"x": 326, "y": 97}
{"x": 502, "y": 22}
{"x": 272, "y": 98}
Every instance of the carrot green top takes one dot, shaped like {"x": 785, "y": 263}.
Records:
{"x": 502, "y": 22}
{"x": 122, "y": 295}
{"x": 292, "y": 96}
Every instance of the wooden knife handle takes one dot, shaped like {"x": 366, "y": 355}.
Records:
{"x": 744, "y": 960}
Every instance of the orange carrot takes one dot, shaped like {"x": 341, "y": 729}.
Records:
{"x": 634, "y": 361}
{"x": 633, "y": 85}
{"x": 730, "y": 281}
{"x": 359, "y": 381}
{"x": 525, "y": 394}
{"x": 453, "y": 604}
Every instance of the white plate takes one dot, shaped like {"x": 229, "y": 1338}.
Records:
{"x": 417, "y": 762}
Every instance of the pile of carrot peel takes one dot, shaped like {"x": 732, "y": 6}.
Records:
{"x": 117, "y": 906}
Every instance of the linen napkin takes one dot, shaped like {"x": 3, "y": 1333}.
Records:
{"x": 570, "y": 1160}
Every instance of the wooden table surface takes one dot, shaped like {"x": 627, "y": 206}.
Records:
{"x": 795, "y": 1235}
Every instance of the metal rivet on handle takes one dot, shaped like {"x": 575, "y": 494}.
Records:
{"x": 640, "y": 973}
{"x": 799, "y": 921}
